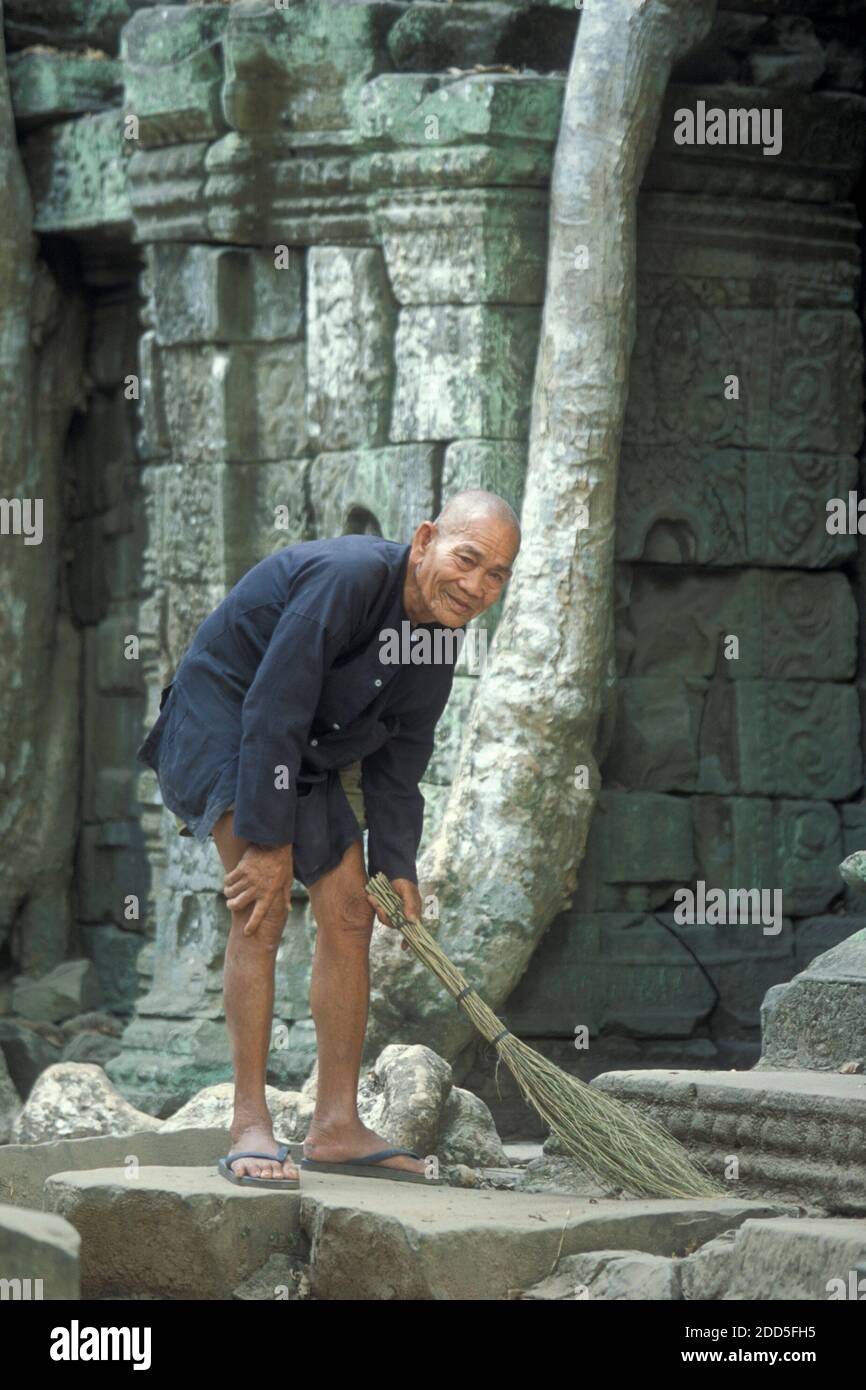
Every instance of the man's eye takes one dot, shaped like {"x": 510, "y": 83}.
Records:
{"x": 465, "y": 559}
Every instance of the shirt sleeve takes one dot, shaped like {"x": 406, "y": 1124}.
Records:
{"x": 277, "y": 713}
{"x": 393, "y": 802}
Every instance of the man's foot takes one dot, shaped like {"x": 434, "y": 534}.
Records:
{"x": 261, "y": 1139}
{"x": 340, "y": 1143}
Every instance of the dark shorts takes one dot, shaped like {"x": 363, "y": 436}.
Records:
{"x": 350, "y": 779}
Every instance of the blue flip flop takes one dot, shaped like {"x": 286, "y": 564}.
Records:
{"x": 364, "y": 1168}
{"x": 283, "y": 1152}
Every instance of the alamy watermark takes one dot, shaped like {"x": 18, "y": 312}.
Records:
{"x": 16, "y": 518}
{"x": 738, "y": 126}
{"x": 442, "y": 647}
{"x": 720, "y": 907}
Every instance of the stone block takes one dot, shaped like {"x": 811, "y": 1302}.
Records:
{"x": 167, "y": 193}
{"x": 384, "y": 1245}
{"x": 640, "y": 848}
{"x": 197, "y": 1235}
{"x": 239, "y": 404}
{"x": 26, "y": 1053}
{"x": 52, "y": 86}
{"x": 350, "y": 330}
{"x": 10, "y": 1101}
{"x": 166, "y": 1061}
{"x": 207, "y": 294}
{"x": 752, "y": 842}
{"x": 116, "y": 667}
{"x": 762, "y": 738}
{"x": 219, "y": 519}
{"x": 77, "y": 175}
{"x": 70, "y": 988}
{"x": 679, "y": 505}
{"x": 781, "y": 738}
{"x": 67, "y": 24}
{"x": 300, "y": 67}
{"x": 464, "y": 371}
{"x": 386, "y": 492}
{"x": 439, "y": 164}
{"x": 794, "y": 1259}
{"x": 24, "y": 1167}
{"x": 465, "y": 246}
{"x": 815, "y": 935}
{"x": 789, "y": 626}
{"x": 818, "y": 1021}
{"x": 614, "y": 971}
{"x": 854, "y": 838}
{"x": 795, "y": 1135}
{"x": 153, "y": 438}
{"x": 401, "y": 109}
{"x": 655, "y": 744}
{"x": 430, "y": 37}
{"x": 173, "y": 71}
{"x": 112, "y": 871}
{"x": 114, "y": 953}
{"x": 39, "y": 1255}
{"x": 822, "y": 147}
{"x": 319, "y": 190}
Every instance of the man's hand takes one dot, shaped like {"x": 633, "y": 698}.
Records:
{"x": 264, "y": 876}
{"x": 412, "y": 905}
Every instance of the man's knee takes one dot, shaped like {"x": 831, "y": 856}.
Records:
{"x": 354, "y": 915}
{"x": 269, "y": 932}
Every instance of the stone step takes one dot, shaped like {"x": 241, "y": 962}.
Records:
{"x": 781, "y": 1259}
{"x": 780, "y": 1135}
{"x": 185, "y": 1233}
{"x": 172, "y": 1232}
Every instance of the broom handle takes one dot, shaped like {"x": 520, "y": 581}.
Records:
{"x": 380, "y": 887}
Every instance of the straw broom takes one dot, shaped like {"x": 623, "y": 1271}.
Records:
{"x": 601, "y": 1133}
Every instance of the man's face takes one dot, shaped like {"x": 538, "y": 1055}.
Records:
{"x": 463, "y": 573}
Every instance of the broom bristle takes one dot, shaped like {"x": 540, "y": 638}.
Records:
{"x": 599, "y": 1131}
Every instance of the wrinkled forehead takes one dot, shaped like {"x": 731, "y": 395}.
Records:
{"x": 493, "y": 541}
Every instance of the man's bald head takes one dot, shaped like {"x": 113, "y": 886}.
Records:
{"x": 460, "y": 562}
{"x": 476, "y": 504}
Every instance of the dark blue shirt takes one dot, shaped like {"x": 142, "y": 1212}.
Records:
{"x": 285, "y": 683}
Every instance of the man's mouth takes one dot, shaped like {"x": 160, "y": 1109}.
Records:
{"x": 461, "y": 607}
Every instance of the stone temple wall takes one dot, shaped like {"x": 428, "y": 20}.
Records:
{"x": 313, "y": 241}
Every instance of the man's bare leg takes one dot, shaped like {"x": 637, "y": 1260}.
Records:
{"x": 339, "y": 1001}
{"x": 248, "y": 982}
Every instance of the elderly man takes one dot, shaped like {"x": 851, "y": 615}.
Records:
{"x": 288, "y": 726}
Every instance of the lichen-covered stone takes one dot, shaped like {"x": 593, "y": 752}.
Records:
{"x": 207, "y": 294}
{"x": 240, "y": 403}
{"x": 52, "y": 86}
{"x": 401, "y": 109}
{"x": 762, "y": 738}
{"x": 300, "y": 66}
{"x": 77, "y": 174}
{"x": 387, "y": 491}
{"x": 350, "y": 328}
{"x": 463, "y": 371}
{"x": 789, "y": 625}
{"x": 72, "y": 1099}
{"x": 465, "y": 246}
{"x": 173, "y": 72}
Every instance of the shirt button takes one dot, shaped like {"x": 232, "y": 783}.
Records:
{"x": 314, "y": 743}
{"x": 336, "y": 726}
{"x": 377, "y": 682}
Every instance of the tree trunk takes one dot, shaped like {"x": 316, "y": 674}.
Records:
{"x": 505, "y": 860}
